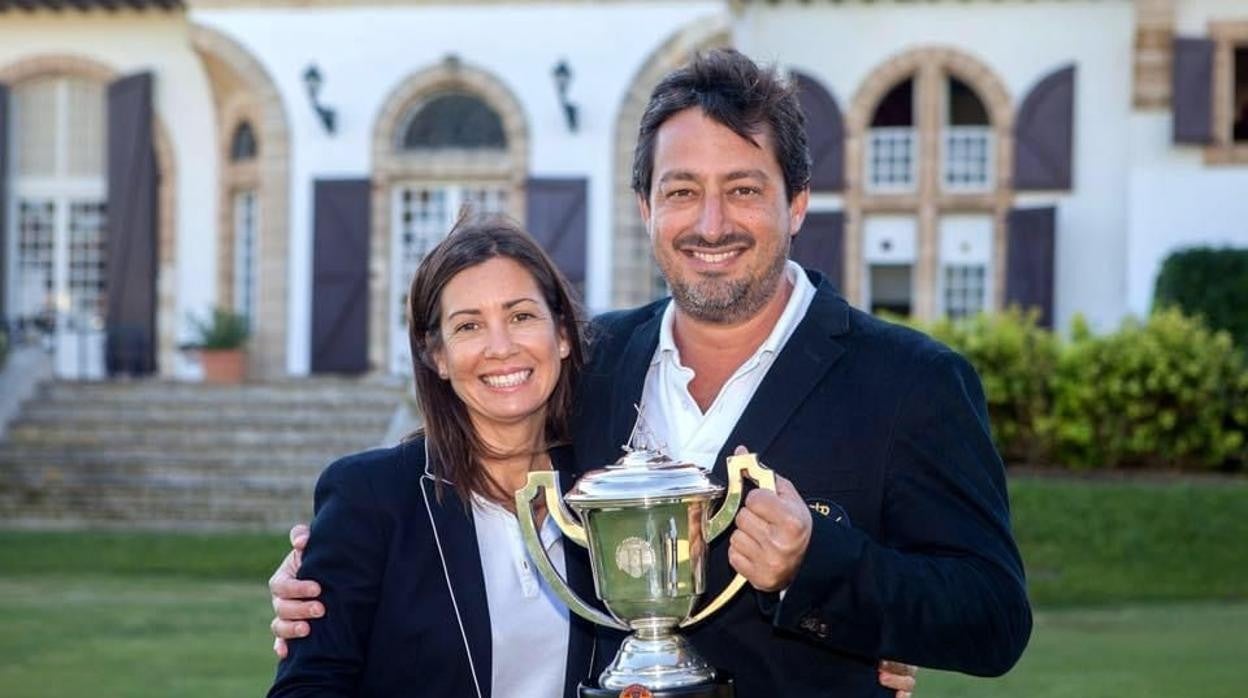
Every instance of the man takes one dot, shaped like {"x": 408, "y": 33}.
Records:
{"x": 899, "y": 542}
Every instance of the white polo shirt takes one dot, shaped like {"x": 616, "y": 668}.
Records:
{"x": 528, "y": 623}
{"x": 670, "y": 411}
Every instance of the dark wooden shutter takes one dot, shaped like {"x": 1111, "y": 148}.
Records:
{"x": 556, "y": 215}
{"x": 821, "y": 245}
{"x": 4, "y": 203}
{"x": 1029, "y": 260}
{"x": 340, "y": 237}
{"x": 1192, "y": 90}
{"x": 1044, "y": 134}
{"x": 825, "y": 134}
{"x": 130, "y": 317}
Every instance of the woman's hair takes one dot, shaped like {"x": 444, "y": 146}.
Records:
{"x": 454, "y": 445}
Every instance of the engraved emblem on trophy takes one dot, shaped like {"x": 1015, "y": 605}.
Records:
{"x": 646, "y": 520}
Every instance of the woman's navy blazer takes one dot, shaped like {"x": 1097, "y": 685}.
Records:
{"x": 404, "y": 595}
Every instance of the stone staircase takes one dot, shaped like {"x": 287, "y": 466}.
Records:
{"x": 156, "y": 454}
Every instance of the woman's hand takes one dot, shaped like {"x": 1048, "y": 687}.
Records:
{"x": 294, "y": 599}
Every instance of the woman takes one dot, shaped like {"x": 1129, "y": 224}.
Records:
{"x": 426, "y": 585}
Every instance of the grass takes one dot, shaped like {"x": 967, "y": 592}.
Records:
{"x": 1142, "y": 590}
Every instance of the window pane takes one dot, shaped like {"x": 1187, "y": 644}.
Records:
{"x": 890, "y": 288}
{"x": 243, "y": 144}
{"x": 245, "y": 256}
{"x": 454, "y": 121}
{"x": 34, "y": 125}
{"x": 964, "y": 289}
{"x": 85, "y": 155}
{"x": 87, "y": 264}
{"x": 965, "y": 108}
{"x": 897, "y": 107}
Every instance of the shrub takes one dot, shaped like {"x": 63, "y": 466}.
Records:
{"x": 1016, "y": 361}
{"x": 1165, "y": 393}
{"x": 1211, "y": 283}
{"x": 224, "y": 329}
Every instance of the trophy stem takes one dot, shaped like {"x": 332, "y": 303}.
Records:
{"x": 656, "y": 657}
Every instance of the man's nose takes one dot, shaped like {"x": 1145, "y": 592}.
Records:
{"x": 711, "y": 218}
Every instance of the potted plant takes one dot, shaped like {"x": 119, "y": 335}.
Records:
{"x": 220, "y": 343}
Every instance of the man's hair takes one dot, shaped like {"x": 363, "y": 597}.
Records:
{"x": 733, "y": 90}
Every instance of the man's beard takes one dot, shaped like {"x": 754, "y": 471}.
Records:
{"x": 725, "y": 301}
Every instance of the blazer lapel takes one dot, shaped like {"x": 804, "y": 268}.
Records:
{"x": 801, "y": 364}
{"x": 456, "y": 538}
{"x": 628, "y": 383}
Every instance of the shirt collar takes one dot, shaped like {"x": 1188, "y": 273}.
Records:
{"x": 794, "y": 310}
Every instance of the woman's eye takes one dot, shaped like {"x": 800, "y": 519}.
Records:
{"x": 523, "y": 316}
{"x": 466, "y": 327}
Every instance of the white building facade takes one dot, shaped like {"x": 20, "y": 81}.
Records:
{"x": 294, "y": 160}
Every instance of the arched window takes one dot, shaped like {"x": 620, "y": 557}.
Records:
{"x": 453, "y": 120}
{"x": 451, "y": 138}
{"x": 893, "y": 142}
{"x": 242, "y": 247}
{"x": 243, "y": 143}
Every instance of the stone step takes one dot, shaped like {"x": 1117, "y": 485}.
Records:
{"x": 253, "y": 506}
{"x": 227, "y": 435}
{"x": 289, "y": 416}
{"x": 170, "y": 391}
{"x": 150, "y": 456}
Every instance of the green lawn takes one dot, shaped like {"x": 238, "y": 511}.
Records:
{"x": 1141, "y": 589}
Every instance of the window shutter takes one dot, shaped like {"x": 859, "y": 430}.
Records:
{"x": 4, "y": 201}
{"x": 825, "y": 134}
{"x": 1044, "y": 134}
{"x": 1192, "y": 90}
{"x": 130, "y": 317}
{"x": 1029, "y": 260}
{"x": 821, "y": 245}
{"x": 340, "y": 244}
{"x": 556, "y": 215}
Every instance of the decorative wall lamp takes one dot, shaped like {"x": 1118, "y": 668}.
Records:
{"x": 563, "y": 77}
{"x": 312, "y": 80}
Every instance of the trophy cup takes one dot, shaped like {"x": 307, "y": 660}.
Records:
{"x": 647, "y": 522}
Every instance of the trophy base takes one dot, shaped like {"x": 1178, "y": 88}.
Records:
{"x": 720, "y": 688}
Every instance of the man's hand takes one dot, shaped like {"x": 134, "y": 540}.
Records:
{"x": 773, "y": 532}
{"x": 293, "y": 599}
{"x": 899, "y": 677}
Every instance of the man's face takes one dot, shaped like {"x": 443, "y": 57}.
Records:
{"x": 718, "y": 217}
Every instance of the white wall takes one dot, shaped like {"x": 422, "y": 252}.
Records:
{"x": 1022, "y": 42}
{"x": 364, "y": 53}
{"x": 130, "y": 42}
{"x": 1177, "y": 201}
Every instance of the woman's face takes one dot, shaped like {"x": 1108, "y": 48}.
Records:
{"x": 501, "y": 347}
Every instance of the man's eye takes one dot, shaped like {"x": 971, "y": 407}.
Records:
{"x": 747, "y": 191}
{"x": 680, "y": 193}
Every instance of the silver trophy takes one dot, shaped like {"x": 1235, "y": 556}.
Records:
{"x": 647, "y": 522}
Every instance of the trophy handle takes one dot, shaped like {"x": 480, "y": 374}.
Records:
{"x": 549, "y": 481}
{"x": 746, "y": 464}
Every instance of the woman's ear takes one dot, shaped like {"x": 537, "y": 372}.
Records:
{"x": 564, "y": 347}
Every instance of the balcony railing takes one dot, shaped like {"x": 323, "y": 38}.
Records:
{"x": 892, "y": 156}
{"x": 968, "y": 155}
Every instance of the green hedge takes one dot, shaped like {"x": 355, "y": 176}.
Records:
{"x": 1208, "y": 282}
{"x": 1164, "y": 393}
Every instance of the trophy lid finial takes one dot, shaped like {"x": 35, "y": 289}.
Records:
{"x": 643, "y": 447}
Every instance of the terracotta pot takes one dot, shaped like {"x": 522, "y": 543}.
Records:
{"x": 223, "y": 366}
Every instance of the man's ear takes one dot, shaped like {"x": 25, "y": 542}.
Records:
{"x": 797, "y": 211}
{"x": 643, "y": 207}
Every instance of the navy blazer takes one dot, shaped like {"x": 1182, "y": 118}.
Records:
{"x": 404, "y": 594}
{"x": 891, "y": 427}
